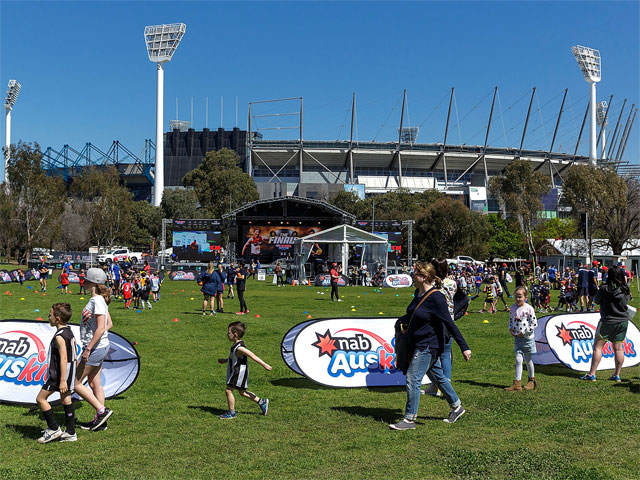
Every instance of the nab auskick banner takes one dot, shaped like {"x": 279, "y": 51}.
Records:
{"x": 344, "y": 352}
{"x": 568, "y": 339}
{"x": 23, "y": 361}
{"x": 401, "y": 280}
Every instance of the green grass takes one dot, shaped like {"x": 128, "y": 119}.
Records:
{"x": 166, "y": 425}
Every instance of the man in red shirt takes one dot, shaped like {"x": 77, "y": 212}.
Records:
{"x": 334, "y": 281}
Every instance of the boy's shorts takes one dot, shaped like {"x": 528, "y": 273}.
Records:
{"x": 53, "y": 384}
{"x": 613, "y": 332}
{"x": 97, "y": 356}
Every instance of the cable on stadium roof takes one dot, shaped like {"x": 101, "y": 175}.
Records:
{"x": 386, "y": 119}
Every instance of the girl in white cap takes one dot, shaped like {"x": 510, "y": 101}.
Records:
{"x": 94, "y": 328}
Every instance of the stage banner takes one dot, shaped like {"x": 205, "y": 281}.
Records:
{"x": 568, "y": 339}
{"x": 324, "y": 280}
{"x": 183, "y": 275}
{"x": 23, "y": 361}
{"x": 5, "y": 276}
{"x": 401, "y": 280}
{"x": 344, "y": 352}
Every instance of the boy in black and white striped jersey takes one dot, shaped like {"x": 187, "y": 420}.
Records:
{"x": 238, "y": 371}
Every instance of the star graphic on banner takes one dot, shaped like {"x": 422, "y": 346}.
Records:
{"x": 564, "y": 334}
{"x": 325, "y": 344}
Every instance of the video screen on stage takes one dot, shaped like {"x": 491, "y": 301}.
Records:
{"x": 389, "y": 229}
{"x": 196, "y": 240}
{"x": 271, "y": 242}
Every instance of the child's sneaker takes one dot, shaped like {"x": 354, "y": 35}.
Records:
{"x": 264, "y": 405}
{"x": 101, "y": 418}
{"x": 67, "y": 437}
{"x": 615, "y": 378}
{"x": 49, "y": 435}
{"x": 403, "y": 424}
{"x": 455, "y": 414}
{"x": 590, "y": 378}
{"x": 228, "y": 415}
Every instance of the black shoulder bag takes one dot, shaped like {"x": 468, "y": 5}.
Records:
{"x": 403, "y": 349}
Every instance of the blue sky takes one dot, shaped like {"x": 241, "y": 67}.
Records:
{"x": 86, "y": 77}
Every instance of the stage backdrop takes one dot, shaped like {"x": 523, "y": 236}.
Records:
{"x": 23, "y": 361}
{"x": 270, "y": 242}
{"x": 568, "y": 339}
{"x": 344, "y": 352}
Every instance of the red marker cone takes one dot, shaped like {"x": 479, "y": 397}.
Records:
{"x": 257, "y": 316}
{"x": 176, "y": 320}
{"x": 39, "y": 319}
{"x": 309, "y": 316}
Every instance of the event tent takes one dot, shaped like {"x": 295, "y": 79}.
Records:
{"x": 337, "y": 241}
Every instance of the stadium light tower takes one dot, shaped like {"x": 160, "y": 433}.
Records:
{"x": 589, "y": 61}
{"x": 162, "y": 42}
{"x": 12, "y": 95}
{"x": 603, "y": 121}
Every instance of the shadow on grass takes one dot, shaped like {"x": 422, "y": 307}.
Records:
{"x": 558, "y": 371}
{"x": 387, "y": 415}
{"x": 297, "y": 383}
{"x": 207, "y": 409}
{"x": 481, "y": 384}
{"x": 634, "y": 387}
{"x": 27, "y": 431}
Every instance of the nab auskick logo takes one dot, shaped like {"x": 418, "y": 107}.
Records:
{"x": 580, "y": 340}
{"x": 355, "y": 354}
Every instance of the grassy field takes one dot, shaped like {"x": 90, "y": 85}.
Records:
{"x": 166, "y": 425}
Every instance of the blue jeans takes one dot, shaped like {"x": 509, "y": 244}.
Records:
{"x": 445, "y": 359}
{"x": 424, "y": 363}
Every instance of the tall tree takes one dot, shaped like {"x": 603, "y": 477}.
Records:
{"x": 38, "y": 199}
{"x": 75, "y": 226}
{"x": 220, "y": 184}
{"x": 520, "y": 191}
{"x": 505, "y": 239}
{"x": 107, "y": 203}
{"x": 448, "y": 228}
{"x": 622, "y": 224}
{"x": 596, "y": 192}
{"x": 553, "y": 228}
{"x": 146, "y": 225}
{"x": 179, "y": 204}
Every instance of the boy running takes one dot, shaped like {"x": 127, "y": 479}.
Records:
{"x": 238, "y": 371}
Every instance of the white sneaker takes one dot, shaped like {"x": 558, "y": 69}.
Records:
{"x": 339, "y": 299}
{"x": 67, "y": 437}
{"x": 49, "y": 435}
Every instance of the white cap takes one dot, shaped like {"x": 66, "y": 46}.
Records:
{"x": 96, "y": 275}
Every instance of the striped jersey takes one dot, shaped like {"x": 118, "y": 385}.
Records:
{"x": 237, "y": 368}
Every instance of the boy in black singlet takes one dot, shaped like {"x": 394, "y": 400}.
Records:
{"x": 238, "y": 371}
{"x": 60, "y": 376}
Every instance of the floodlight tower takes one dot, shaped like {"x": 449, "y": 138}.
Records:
{"x": 589, "y": 61}
{"x": 12, "y": 95}
{"x": 162, "y": 42}
{"x": 601, "y": 113}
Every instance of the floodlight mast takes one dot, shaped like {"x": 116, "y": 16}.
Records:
{"x": 590, "y": 64}
{"x": 13, "y": 89}
{"x": 162, "y": 42}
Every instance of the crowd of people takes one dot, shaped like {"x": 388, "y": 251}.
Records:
{"x": 442, "y": 295}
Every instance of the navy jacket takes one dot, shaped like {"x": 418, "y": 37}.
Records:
{"x": 211, "y": 283}
{"x": 430, "y": 323}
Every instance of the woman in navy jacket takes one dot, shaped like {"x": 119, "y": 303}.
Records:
{"x": 431, "y": 319}
{"x": 211, "y": 285}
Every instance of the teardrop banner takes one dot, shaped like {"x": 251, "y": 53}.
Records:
{"x": 23, "y": 361}
{"x": 344, "y": 352}
{"x": 568, "y": 339}
{"x": 401, "y": 280}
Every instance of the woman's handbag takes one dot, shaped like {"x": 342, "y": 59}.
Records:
{"x": 402, "y": 347}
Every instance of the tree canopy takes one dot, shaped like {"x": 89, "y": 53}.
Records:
{"x": 520, "y": 191}
{"x": 220, "y": 185}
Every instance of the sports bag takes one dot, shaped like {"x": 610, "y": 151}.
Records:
{"x": 403, "y": 348}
